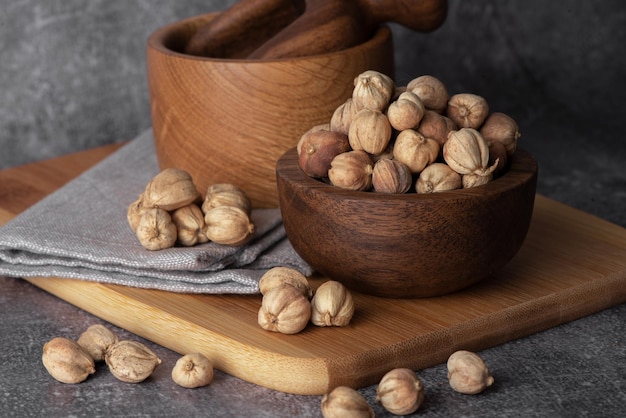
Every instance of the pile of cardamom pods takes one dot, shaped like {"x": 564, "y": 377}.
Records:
{"x": 171, "y": 211}
{"x": 413, "y": 138}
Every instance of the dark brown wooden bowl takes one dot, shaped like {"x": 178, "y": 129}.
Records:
{"x": 410, "y": 245}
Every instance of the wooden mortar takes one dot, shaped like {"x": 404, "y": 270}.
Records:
{"x": 229, "y": 120}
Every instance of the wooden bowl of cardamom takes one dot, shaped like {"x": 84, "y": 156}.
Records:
{"x": 227, "y": 120}
{"x": 407, "y": 245}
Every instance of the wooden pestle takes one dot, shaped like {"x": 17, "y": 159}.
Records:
{"x": 328, "y": 25}
{"x": 270, "y": 29}
{"x": 243, "y": 27}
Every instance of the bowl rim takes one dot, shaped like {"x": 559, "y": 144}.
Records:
{"x": 158, "y": 38}
{"x": 523, "y": 167}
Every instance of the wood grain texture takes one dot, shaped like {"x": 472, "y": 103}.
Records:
{"x": 230, "y": 120}
{"x": 407, "y": 245}
{"x": 571, "y": 264}
{"x": 25, "y": 185}
{"x": 242, "y": 28}
{"x": 262, "y": 29}
{"x": 334, "y": 25}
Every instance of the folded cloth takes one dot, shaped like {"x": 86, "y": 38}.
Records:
{"x": 81, "y": 231}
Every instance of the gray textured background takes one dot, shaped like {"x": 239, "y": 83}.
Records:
{"x": 73, "y": 77}
{"x": 73, "y": 72}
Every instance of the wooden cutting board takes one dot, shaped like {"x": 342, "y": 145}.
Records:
{"x": 572, "y": 264}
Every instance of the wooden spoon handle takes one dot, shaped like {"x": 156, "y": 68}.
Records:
{"x": 243, "y": 27}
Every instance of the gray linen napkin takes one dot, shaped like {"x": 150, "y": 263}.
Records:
{"x": 80, "y": 231}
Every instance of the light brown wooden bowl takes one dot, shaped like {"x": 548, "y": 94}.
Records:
{"x": 230, "y": 120}
{"x": 409, "y": 245}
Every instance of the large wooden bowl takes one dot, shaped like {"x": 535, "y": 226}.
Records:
{"x": 227, "y": 120}
{"x": 409, "y": 245}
